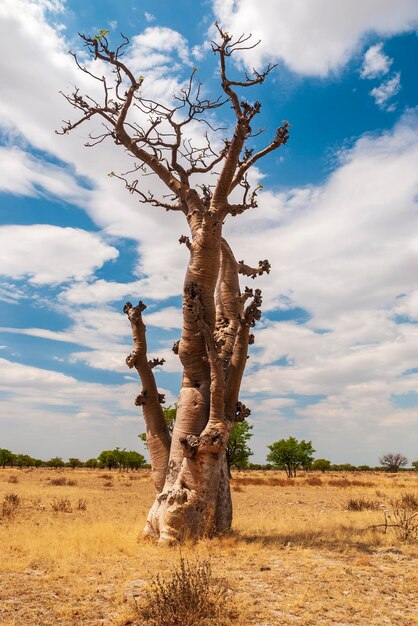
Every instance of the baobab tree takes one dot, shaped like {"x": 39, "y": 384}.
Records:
{"x": 189, "y": 468}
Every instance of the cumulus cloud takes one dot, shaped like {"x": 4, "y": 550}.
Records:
{"x": 386, "y": 91}
{"x": 48, "y": 412}
{"x": 312, "y": 37}
{"x": 348, "y": 243}
{"x": 28, "y": 250}
{"x": 30, "y": 176}
{"x": 375, "y": 62}
{"x": 37, "y": 47}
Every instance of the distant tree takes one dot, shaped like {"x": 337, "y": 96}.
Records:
{"x": 24, "y": 460}
{"x": 56, "y": 462}
{"x": 415, "y": 465}
{"x": 133, "y": 460}
{"x": 6, "y": 457}
{"x": 290, "y": 455}
{"x": 392, "y": 462}
{"x": 364, "y": 468}
{"x": 254, "y": 466}
{"x": 343, "y": 467}
{"x": 237, "y": 450}
{"x": 109, "y": 458}
{"x": 74, "y": 462}
{"x": 91, "y": 463}
{"x": 321, "y": 465}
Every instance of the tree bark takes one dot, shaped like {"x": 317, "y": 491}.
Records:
{"x": 196, "y": 499}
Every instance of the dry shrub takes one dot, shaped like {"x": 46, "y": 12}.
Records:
{"x": 106, "y": 476}
{"x": 267, "y": 482}
{"x": 403, "y": 519}
{"x": 401, "y": 516}
{"x": 189, "y": 596}
{"x": 339, "y": 482}
{"x": 70, "y": 482}
{"x": 362, "y": 505}
{"x": 58, "y": 482}
{"x": 13, "y": 479}
{"x": 344, "y": 482}
{"x": 81, "y": 504}
{"x": 10, "y": 505}
{"x": 314, "y": 481}
{"x": 236, "y": 487}
{"x": 108, "y": 483}
{"x": 62, "y": 505}
{"x": 409, "y": 501}
{"x": 362, "y": 483}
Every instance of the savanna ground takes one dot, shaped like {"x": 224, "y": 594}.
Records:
{"x": 296, "y": 555}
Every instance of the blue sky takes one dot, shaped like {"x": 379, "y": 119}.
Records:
{"x": 335, "y": 358}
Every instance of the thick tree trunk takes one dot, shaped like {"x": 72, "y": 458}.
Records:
{"x": 195, "y": 499}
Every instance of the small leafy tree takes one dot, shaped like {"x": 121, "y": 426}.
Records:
{"x": 23, "y": 460}
{"x": 392, "y": 462}
{"x": 55, "y": 462}
{"x": 74, "y": 462}
{"x": 343, "y": 467}
{"x": 109, "y": 458}
{"x": 237, "y": 450}
{"x": 133, "y": 460}
{"x": 91, "y": 463}
{"x": 321, "y": 465}
{"x": 415, "y": 465}
{"x": 6, "y": 457}
{"x": 290, "y": 455}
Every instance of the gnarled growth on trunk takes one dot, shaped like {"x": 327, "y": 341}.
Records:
{"x": 190, "y": 469}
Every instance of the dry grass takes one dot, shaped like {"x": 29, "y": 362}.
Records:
{"x": 296, "y": 555}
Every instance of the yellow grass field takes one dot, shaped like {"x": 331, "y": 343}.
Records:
{"x": 296, "y": 556}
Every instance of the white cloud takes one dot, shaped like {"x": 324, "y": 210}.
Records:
{"x": 107, "y": 335}
{"x": 157, "y": 47}
{"x": 386, "y": 91}
{"x": 313, "y": 37}
{"x": 29, "y": 176}
{"x": 52, "y": 413}
{"x": 375, "y": 62}
{"x": 345, "y": 245}
{"x": 149, "y": 16}
{"x": 34, "y": 108}
{"x": 29, "y": 250}
{"x": 167, "y": 318}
